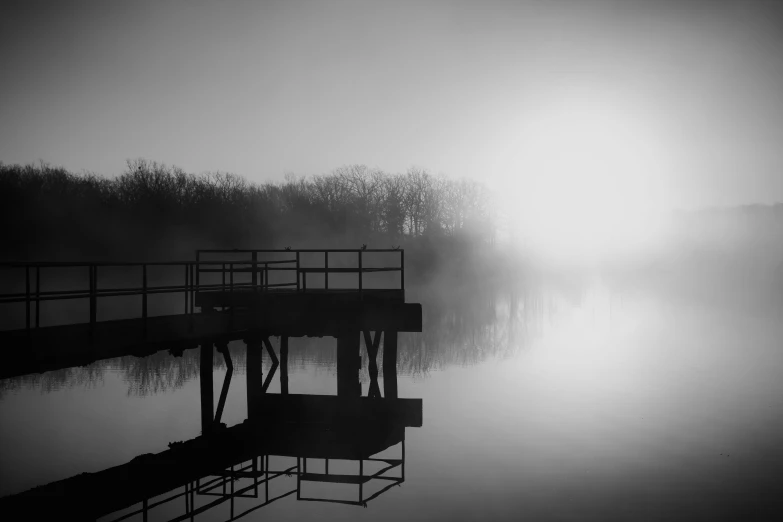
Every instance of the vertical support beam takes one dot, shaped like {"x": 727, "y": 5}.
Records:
{"x": 254, "y": 378}
{"x": 326, "y": 269}
{"x": 232, "y": 493}
{"x": 298, "y": 480}
{"x": 207, "y": 399}
{"x": 255, "y": 270}
{"x": 361, "y": 475}
{"x": 187, "y": 288}
{"x": 284, "y": 365}
{"x": 348, "y": 365}
{"x": 266, "y": 478}
{"x": 403, "y": 456}
{"x": 390, "y": 364}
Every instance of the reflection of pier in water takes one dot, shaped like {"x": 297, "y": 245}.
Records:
{"x": 225, "y": 464}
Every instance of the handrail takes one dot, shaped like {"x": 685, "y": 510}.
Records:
{"x": 251, "y": 265}
{"x": 33, "y": 292}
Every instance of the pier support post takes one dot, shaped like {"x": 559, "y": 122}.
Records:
{"x": 284, "y": 365}
{"x": 390, "y": 365}
{"x": 254, "y": 378}
{"x": 349, "y": 363}
{"x": 207, "y": 399}
{"x": 372, "y": 344}
{"x": 222, "y": 348}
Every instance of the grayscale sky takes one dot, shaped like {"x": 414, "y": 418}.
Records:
{"x": 265, "y": 88}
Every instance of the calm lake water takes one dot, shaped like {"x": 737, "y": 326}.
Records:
{"x": 600, "y": 408}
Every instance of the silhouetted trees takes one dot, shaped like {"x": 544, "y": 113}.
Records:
{"x": 152, "y": 210}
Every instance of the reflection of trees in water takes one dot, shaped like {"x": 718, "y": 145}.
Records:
{"x": 86, "y": 376}
{"x": 461, "y": 329}
{"x": 468, "y": 330}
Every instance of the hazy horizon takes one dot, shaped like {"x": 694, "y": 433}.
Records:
{"x": 687, "y": 97}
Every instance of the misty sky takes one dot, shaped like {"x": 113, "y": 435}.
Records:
{"x": 265, "y": 88}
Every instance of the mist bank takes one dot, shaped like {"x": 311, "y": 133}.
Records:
{"x": 724, "y": 255}
{"x": 452, "y": 230}
{"x": 155, "y": 212}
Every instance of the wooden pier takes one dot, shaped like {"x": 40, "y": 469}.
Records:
{"x": 226, "y": 295}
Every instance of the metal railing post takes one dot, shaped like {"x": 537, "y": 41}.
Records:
{"x": 360, "y": 274}
{"x": 193, "y": 288}
{"x": 27, "y": 296}
{"x": 297, "y": 270}
{"x": 361, "y": 475}
{"x": 93, "y": 294}
{"x": 144, "y": 293}
{"x": 266, "y": 277}
{"x": 255, "y": 274}
{"x": 326, "y": 270}
{"x": 186, "y": 289}
{"x": 37, "y": 296}
{"x": 402, "y": 269}
{"x": 231, "y": 282}
{"x": 198, "y": 267}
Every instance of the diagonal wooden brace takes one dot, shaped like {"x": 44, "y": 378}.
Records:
{"x": 270, "y": 351}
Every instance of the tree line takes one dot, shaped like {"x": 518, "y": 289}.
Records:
{"x": 155, "y": 211}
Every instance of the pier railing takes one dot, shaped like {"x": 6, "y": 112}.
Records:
{"x": 258, "y": 263}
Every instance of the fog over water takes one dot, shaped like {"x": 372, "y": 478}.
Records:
{"x": 554, "y": 282}
{"x": 618, "y": 406}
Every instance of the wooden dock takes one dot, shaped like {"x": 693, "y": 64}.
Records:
{"x": 243, "y": 295}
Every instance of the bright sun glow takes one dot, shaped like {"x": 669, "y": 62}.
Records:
{"x": 588, "y": 183}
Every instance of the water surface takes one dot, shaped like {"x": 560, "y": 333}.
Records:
{"x": 598, "y": 407}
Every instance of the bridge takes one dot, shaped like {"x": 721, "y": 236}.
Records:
{"x": 219, "y": 296}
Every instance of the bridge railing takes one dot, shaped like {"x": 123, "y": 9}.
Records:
{"x": 260, "y": 262}
{"x": 34, "y": 294}
{"x": 255, "y": 264}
